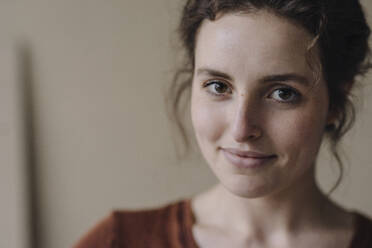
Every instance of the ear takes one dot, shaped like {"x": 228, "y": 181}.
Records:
{"x": 331, "y": 118}
{"x": 347, "y": 87}
{"x": 333, "y": 114}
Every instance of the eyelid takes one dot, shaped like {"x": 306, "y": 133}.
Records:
{"x": 272, "y": 88}
{"x": 208, "y": 82}
{"x": 205, "y": 82}
{"x": 284, "y": 86}
{"x": 278, "y": 86}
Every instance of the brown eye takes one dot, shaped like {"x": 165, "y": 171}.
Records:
{"x": 218, "y": 87}
{"x": 286, "y": 95}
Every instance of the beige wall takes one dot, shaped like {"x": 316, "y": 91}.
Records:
{"x": 13, "y": 203}
{"x": 102, "y": 137}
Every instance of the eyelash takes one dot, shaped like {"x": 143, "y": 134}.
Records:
{"x": 295, "y": 97}
{"x": 215, "y": 82}
{"x": 295, "y": 94}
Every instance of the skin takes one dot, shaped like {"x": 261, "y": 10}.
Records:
{"x": 254, "y": 91}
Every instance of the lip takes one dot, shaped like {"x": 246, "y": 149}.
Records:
{"x": 247, "y": 159}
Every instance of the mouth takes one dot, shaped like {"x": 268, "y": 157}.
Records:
{"x": 247, "y": 159}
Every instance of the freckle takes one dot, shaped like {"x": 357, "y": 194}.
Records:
{"x": 242, "y": 95}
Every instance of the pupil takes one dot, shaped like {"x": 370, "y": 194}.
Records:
{"x": 284, "y": 94}
{"x": 220, "y": 88}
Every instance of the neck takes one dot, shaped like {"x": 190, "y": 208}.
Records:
{"x": 285, "y": 210}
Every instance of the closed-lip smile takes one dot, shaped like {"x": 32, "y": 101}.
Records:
{"x": 247, "y": 154}
{"x": 246, "y": 159}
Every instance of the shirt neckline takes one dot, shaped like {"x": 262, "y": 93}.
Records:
{"x": 189, "y": 220}
{"x": 358, "y": 225}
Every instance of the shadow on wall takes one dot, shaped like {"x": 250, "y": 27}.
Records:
{"x": 26, "y": 82}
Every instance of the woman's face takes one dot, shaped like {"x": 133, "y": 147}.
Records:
{"x": 257, "y": 114}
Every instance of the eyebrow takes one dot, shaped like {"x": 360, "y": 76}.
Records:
{"x": 212, "y": 72}
{"x": 285, "y": 77}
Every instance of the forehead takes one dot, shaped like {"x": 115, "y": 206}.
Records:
{"x": 254, "y": 43}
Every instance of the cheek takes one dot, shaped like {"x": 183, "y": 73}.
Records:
{"x": 300, "y": 128}
{"x": 208, "y": 120}
{"x": 299, "y": 135}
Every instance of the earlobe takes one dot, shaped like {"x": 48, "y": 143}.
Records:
{"x": 331, "y": 120}
{"x": 334, "y": 113}
{"x": 347, "y": 87}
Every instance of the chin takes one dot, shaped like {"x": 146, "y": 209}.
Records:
{"x": 246, "y": 188}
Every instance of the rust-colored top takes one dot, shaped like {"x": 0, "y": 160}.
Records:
{"x": 171, "y": 227}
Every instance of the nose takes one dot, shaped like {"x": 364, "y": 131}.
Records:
{"x": 246, "y": 124}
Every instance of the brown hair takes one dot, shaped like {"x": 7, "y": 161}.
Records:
{"x": 339, "y": 28}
